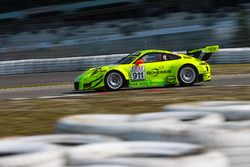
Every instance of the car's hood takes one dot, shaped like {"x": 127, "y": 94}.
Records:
{"x": 96, "y": 70}
{"x": 91, "y": 71}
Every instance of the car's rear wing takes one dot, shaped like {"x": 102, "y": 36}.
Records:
{"x": 208, "y": 50}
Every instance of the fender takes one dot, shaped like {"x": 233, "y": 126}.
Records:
{"x": 123, "y": 71}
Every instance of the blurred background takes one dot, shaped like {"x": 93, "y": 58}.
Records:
{"x": 61, "y": 28}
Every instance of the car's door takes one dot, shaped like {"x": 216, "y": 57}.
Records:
{"x": 151, "y": 73}
{"x": 157, "y": 70}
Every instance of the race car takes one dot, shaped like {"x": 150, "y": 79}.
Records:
{"x": 150, "y": 68}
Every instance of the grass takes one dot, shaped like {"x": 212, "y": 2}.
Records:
{"x": 38, "y": 116}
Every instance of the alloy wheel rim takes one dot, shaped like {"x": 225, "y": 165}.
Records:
{"x": 114, "y": 80}
{"x": 187, "y": 75}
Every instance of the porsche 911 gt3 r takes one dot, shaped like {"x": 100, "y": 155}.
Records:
{"x": 150, "y": 68}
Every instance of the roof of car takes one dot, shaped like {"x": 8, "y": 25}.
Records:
{"x": 154, "y": 50}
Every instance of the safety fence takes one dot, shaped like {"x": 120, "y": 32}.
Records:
{"x": 229, "y": 56}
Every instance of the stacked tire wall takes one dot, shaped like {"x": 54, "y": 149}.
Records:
{"x": 214, "y": 133}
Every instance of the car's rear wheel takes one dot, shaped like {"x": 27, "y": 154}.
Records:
{"x": 187, "y": 75}
{"x": 114, "y": 80}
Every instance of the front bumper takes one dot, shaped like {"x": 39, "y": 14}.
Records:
{"x": 88, "y": 85}
{"x": 85, "y": 86}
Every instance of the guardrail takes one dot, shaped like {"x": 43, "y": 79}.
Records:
{"x": 225, "y": 56}
{"x": 231, "y": 56}
{"x": 56, "y": 64}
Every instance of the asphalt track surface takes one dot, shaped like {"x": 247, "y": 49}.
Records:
{"x": 61, "y": 84}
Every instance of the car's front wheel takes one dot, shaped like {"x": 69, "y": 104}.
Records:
{"x": 187, "y": 75}
{"x": 114, "y": 80}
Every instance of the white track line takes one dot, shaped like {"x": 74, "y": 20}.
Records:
{"x": 17, "y": 99}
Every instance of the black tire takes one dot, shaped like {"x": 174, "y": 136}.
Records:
{"x": 114, "y": 80}
{"x": 187, "y": 75}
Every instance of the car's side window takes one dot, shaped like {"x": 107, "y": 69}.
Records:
{"x": 152, "y": 57}
{"x": 157, "y": 57}
{"x": 168, "y": 56}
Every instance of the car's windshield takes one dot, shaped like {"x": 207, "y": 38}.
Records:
{"x": 128, "y": 59}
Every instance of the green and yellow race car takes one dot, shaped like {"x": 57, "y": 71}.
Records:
{"x": 150, "y": 68}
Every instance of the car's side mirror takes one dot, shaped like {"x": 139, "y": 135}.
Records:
{"x": 138, "y": 62}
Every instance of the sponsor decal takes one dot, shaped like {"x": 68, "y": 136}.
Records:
{"x": 155, "y": 72}
{"x": 170, "y": 79}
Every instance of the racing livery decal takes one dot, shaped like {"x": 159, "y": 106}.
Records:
{"x": 155, "y": 72}
{"x": 170, "y": 79}
{"x": 138, "y": 73}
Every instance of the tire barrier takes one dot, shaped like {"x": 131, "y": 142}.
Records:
{"x": 122, "y": 125}
{"x": 68, "y": 140}
{"x": 231, "y": 110}
{"x": 102, "y": 166}
{"x": 147, "y": 154}
{"x": 20, "y": 154}
{"x": 230, "y": 55}
{"x": 192, "y": 126}
{"x": 189, "y": 117}
{"x": 231, "y": 137}
{"x": 117, "y": 125}
{"x": 211, "y": 133}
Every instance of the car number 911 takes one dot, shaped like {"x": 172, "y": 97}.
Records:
{"x": 138, "y": 73}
